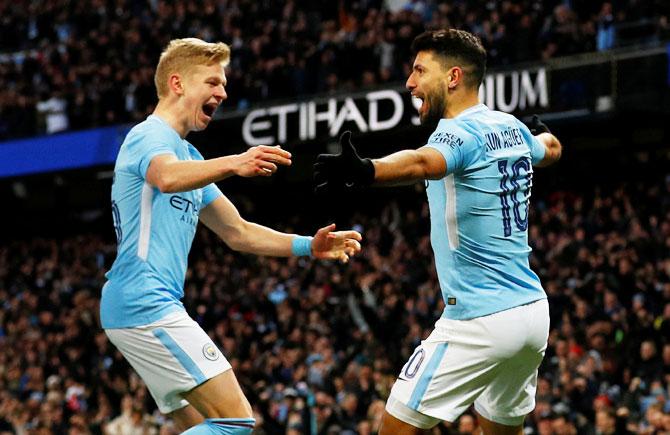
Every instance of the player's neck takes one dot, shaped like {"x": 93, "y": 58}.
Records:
{"x": 169, "y": 113}
{"x": 461, "y": 103}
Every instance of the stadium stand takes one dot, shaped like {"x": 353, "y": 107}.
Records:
{"x": 321, "y": 343}
{"x": 315, "y": 338}
{"x": 83, "y": 64}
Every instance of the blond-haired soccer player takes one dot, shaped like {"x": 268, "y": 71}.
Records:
{"x": 478, "y": 163}
{"x": 162, "y": 188}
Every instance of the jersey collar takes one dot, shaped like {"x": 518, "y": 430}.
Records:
{"x": 473, "y": 109}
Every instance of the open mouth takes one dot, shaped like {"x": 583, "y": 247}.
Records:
{"x": 419, "y": 98}
{"x": 209, "y": 109}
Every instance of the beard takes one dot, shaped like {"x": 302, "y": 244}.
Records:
{"x": 436, "y": 106}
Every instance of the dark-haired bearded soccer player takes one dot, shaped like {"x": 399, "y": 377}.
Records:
{"x": 487, "y": 345}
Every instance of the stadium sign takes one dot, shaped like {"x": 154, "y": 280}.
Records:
{"x": 380, "y": 110}
{"x": 515, "y": 91}
{"x": 270, "y": 125}
{"x": 313, "y": 120}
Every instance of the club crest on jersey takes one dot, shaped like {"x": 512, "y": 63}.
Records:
{"x": 210, "y": 352}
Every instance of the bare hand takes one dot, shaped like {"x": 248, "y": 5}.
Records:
{"x": 261, "y": 160}
{"x": 336, "y": 245}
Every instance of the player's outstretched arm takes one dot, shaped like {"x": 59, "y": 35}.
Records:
{"x": 222, "y": 217}
{"x": 410, "y": 166}
{"x": 552, "y": 146}
{"x": 170, "y": 174}
{"x": 335, "y": 172}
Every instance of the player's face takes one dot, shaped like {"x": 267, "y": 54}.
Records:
{"x": 427, "y": 83}
{"x": 204, "y": 91}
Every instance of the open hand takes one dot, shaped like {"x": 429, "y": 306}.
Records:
{"x": 336, "y": 245}
{"x": 261, "y": 160}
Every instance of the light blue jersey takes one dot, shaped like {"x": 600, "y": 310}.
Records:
{"x": 479, "y": 213}
{"x": 154, "y": 230}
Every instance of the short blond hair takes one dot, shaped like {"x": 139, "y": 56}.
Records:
{"x": 182, "y": 54}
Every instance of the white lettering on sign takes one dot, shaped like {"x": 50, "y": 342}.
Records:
{"x": 517, "y": 90}
{"x": 508, "y": 92}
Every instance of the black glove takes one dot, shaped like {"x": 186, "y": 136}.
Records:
{"x": 337, "y": 172}
{"x": 537, "y": 127}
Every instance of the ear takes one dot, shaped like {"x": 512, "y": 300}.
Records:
{"x": 454, "y": 77}
{"x": 175, "y": 84}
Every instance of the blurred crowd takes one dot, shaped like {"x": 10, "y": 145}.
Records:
{"x": 73, "y": 65}
{"x": 317, "y": 345}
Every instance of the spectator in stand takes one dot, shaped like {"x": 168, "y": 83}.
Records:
{"x": 321, "y": 333}
{"x": 101, "y": 53}
{"x": 606, "y": 35}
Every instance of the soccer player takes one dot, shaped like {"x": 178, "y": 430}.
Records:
{"x": 478, "y": 163}
{"x": 162, "y": 188}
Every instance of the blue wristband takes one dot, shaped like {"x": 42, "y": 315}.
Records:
{"x": 301, "y": 246}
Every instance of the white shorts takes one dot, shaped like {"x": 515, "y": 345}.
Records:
{"x": 490, "y": 361}
{"x": 172, "y": 356}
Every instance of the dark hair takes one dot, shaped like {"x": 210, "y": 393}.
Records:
{"x": 462, "y": 46}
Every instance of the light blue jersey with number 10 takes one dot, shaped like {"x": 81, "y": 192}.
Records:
{"x": 154, "y": 230}
{"x": 479, "y": 213}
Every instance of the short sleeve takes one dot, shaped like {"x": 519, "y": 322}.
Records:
{"x": 147, "y": 142}
{"x": 537, "y": 149}
{"x": 149, "y": 151}
{"x": 457, "y": 146}
{"x": 209, "y": 194}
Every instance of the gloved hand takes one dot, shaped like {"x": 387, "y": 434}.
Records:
{"x": 537, "y": 126}
{"x": 346, "y": 170}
